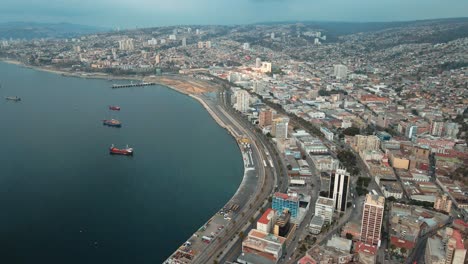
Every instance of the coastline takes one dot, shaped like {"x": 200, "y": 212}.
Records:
{"x": 180, "y": 84}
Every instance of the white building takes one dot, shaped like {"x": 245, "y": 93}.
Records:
{"x": 172, "y": 37}
{"x": 340, "y": 71}
{"x": 324, "y": 207}
{"x": 126, "y": 44}
{"x": 153, "y": 42}
{"x": 242, "y": 101}
{"x": 184, "y": 42}
{"x": 246, "y": 46}
{"x": 204, "y": 44}
{"x": 327, "y": 133}
{"x": 258, "y": 63}
{"x": 266, "y": 67}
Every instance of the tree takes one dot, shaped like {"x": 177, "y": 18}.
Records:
{"x": 349, "y": 236}
{"x": 241, "y": 235}
{"x": 403, "y": 250}
{"x": 351, "y": 131}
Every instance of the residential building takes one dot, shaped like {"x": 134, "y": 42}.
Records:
{"x": 340, "y": 71}
{"x": 372, "y": 217}
{"x": 265, "y": 117}
{"x": 126, "y": 44}
{"x": 443, "y": 203}
{"x": 324, "y": 207}
{"x": 242, "y": 101}
{"x": 436, "y": 128}
{"x": 339, "y": 188}
{"x": 266, "y": 221}
{"x": 279, "y": 127}
{"x": 266, "y": 67}
{"x": 316, "y": 224}
{"x": 361, "y": 142}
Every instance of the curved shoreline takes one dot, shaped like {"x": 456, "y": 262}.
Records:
{"x": 200, "y": 100}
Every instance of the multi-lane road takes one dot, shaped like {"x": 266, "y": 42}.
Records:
{"x": 269, "y": 179}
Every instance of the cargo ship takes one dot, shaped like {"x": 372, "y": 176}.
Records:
{"x": 112, "y": 123}
{"x": 125, "y": 151}
{"x": 114, "y": 107}
{"x": 13, "y": 98}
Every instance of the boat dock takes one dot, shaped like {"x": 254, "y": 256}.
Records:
{"x": 114, "y": 86}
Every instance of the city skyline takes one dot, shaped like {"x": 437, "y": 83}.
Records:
{"x": 145, "y": 13}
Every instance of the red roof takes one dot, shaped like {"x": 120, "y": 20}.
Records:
{"x": 306, "y": 260}
{"x": 400, "y": 243}
{"x": 365, "y": 248}
{"x": 282, "y": 195}
{"x": 264, "y": 219}
{"x": 460, "y": 222}
{"x": 456, "y": 234}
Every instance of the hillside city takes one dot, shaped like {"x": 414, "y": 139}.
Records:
{"x": 355, "y": 144}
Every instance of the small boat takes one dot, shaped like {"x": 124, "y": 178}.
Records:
{"x": 13, "y": 98}
{"x": 125, "y": 151}
{"x": 112, "y": 123}
{"x": 114, "y": 107}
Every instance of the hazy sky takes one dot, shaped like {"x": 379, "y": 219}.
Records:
{"x": 142, "y": 13}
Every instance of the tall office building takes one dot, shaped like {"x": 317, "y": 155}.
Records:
{"x": 246, "y": 46}
{"x": 339, "y": 188}
{"x": 184, "y": 42}
{"x": 372, "y": 217}
{"x": 279, "y": 127}
{"x": 272, "y": 35}
{"x": 340, "y": 71}
{"x": 443, "y": 203}
{"x": 324, "y": 207}
{"x": 242, "y": 101}
{"x": 286, "y": 201}
{"x": 265, "y": 118}
{"x": 437, "y": 127}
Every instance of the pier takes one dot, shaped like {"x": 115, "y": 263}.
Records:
{"x": 114, "y": 86}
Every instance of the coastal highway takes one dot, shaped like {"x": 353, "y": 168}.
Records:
{"x": 266, "y": 183}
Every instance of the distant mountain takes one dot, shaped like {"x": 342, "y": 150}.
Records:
{"x": 30, "y": 30}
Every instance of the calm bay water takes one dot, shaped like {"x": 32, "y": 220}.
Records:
{"x": 64, "y": 199}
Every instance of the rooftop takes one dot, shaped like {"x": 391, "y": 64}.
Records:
{"x": 266, "y": 216}
{"x": 325, "y": 201}
{"x": 375, "y": 200}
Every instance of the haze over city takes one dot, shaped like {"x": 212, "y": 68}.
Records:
{"x": 146, "y": 13}
{"x": 234, "y": 132}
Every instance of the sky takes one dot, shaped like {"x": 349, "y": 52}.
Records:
{"x": 147, "y": 13}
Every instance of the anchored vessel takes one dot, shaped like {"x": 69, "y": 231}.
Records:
{"x": 114, "y": 107}
{"x": 125, "y": 151}
{"x": 13, "y": 98}
{"x": 112, "y": 123}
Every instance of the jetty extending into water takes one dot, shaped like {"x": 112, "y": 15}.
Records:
{"x": 114, "y": 86}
